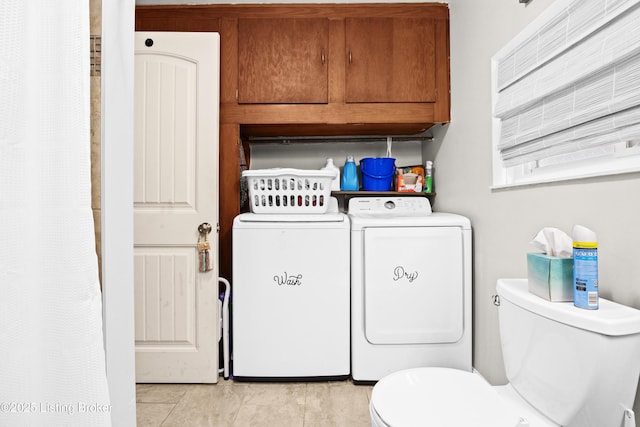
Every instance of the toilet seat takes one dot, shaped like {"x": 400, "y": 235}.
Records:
{"x": 440, "y": 397}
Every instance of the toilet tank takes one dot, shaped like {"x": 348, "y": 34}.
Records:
{"x": 577, "y": 367}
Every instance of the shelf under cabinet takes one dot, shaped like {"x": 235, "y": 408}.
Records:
{"x": 381, "y": 193}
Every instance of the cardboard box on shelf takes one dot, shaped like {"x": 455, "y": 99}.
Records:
{"x": 410, "y": 179}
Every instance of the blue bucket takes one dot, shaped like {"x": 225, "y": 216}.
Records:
{"x": 377, "y": 173}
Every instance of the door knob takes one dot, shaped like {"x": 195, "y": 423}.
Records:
{"x": 204, "y": 228}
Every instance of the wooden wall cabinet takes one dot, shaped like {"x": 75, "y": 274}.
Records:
{"x": 283, "y": 60}
{"x": 390, "y": 60}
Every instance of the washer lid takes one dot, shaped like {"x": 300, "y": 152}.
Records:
{"x": 441, "y": 397}
{"x": 296, "y": 217}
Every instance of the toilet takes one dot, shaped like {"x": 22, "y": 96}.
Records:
{"x": 566, "y": 366}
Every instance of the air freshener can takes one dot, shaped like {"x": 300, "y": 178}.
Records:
{"x": 585, "y": 268}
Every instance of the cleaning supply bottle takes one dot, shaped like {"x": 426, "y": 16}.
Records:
{"x": 350, "y": 176}
{"x": 428, "y": 177}
{"x": 585, "y": 268}
{"x": 335, "y": 184}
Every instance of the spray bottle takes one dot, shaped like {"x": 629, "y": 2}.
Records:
{"x": 585, "y": 268}
{"x": 428, "y": 177}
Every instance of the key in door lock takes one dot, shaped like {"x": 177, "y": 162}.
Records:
{"x": 204, "y": 247}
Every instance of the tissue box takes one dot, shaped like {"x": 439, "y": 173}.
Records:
{"x": 550, "y": 277}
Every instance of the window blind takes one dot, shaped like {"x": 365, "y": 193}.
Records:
{"x": 569, "y": 86}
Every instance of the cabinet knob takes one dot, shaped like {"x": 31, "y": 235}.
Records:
{"x": 322, "y": 56}
{"x": 349, "y": 57}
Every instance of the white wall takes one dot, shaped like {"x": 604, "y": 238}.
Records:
{"x": 505, "y": 221}
{"x": 117, "y": 207}
{"x": 313, "y": 155}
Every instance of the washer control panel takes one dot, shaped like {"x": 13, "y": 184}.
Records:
{"x": 394, "y": 206}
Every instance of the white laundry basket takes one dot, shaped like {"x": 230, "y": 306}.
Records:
{"x": 287, "y": 190}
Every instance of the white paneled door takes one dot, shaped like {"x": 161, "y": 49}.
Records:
{"x": 176, "y": 190}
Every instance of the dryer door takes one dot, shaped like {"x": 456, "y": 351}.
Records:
{"x": 413, "y": 285}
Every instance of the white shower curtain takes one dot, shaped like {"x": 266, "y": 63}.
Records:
{"x": 52, "y": 362}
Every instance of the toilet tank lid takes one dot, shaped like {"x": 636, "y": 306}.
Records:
{"x": 610, "y": 319}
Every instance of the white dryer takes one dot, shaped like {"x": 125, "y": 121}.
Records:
{"x": 290, "y": 299}
{"x": 410, "y": 287}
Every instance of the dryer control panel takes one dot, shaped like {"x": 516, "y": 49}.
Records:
{"x": 393, "y": 206}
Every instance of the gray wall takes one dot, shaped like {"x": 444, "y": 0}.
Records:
{"x": 504, "y": 221}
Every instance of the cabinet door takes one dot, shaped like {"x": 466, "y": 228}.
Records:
{"x": 390, "y": 60}
{"x": 283, "y": 61}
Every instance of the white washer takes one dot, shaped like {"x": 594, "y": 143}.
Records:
{"x": 410, "y": 287}
{"x": 290, "y": 303}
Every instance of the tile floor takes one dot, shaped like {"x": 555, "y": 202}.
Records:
{"x": 229, "y": 403}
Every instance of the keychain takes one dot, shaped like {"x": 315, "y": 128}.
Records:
{"x": 204, "y": 248}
